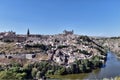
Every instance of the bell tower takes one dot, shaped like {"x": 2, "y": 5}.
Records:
{"x": 28, "y": 32}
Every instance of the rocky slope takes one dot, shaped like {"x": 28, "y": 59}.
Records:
{"x": 111, "y": 43}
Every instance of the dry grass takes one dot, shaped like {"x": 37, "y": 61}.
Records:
{"x": 42, "y": 57}
{"x": 12, "y": 48}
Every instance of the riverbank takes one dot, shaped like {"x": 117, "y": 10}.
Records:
{"x": 109, "y": 71}
{"x": 116, "y": 78}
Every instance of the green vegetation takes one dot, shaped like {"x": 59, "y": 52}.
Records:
{"x": 38, "y": 70}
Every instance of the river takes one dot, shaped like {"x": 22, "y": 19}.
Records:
{"x": 110, "y": 69}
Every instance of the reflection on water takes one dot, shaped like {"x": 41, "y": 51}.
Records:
{"x": 111, "y": 69}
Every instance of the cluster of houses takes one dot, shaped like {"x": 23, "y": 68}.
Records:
{"x": 66, "y": 47}
{"x": 12, "y": 36}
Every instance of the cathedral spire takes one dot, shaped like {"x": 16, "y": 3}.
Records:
{"x": 28, "y": 32}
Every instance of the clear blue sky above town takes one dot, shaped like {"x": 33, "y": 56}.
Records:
{"x": 87, "y": 17}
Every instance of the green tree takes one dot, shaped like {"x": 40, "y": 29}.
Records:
{"x": 34, "y": 72}
{"x": 68, "y": 70}
{"x": 50, "y": 72}
{"x": 38, "y": 75}
{"x": 61, "y": 71}
{"x": 81, "y": 68}
{"x": 21, "y": 76}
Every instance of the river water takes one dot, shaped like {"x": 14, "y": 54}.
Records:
{"x": 111, "y": 69}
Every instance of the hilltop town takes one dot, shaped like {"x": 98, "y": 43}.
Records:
{"x": 33, "y": 56}
{"x": 62, "y": 48}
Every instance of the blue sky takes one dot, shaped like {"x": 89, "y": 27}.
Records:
{"x": 87, "y": 17}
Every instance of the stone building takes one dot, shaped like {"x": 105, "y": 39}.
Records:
{"x": 68, "y": 32}
{"x": 11, "y": 36}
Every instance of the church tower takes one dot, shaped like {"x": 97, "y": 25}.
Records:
{"x": 28, "y": 32}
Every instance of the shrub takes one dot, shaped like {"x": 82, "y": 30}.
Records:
{"x": 34, "y": 72}
{"x": 38, "y": 75}
{"x": 50, "y": 72}
{"x": 61, "y": 71}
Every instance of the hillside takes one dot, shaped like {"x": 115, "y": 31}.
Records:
{"x": 58, "y": 54}
{"x": 111, "y": 43}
